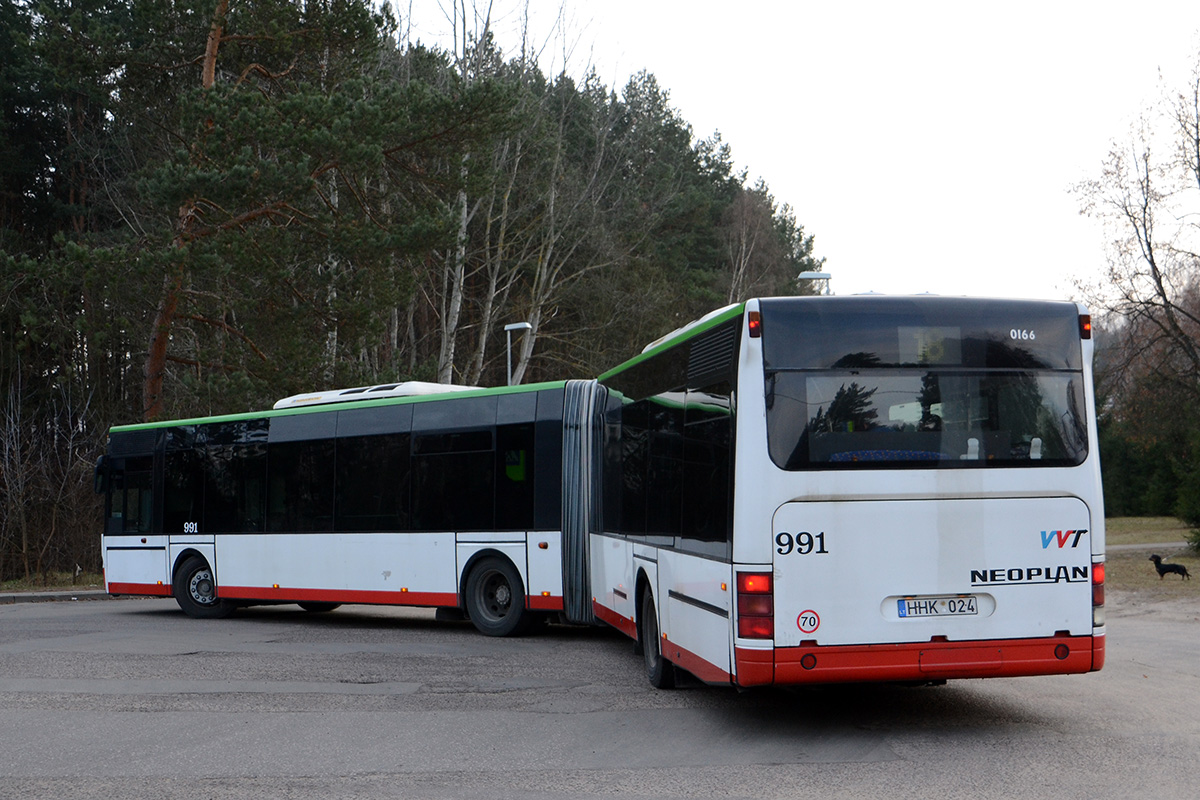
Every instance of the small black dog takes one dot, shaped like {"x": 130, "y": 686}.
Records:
{"x": 1163, "y": 569}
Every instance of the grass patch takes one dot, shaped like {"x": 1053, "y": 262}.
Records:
{"x": 54, "y": 581}
{"x": 1143, "y": 530}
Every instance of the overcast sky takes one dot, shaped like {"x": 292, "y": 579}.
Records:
{"x": 929, "y": 147}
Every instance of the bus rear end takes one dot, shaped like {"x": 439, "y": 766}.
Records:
{"x": 930, "y": 486}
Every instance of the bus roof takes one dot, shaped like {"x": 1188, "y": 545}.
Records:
{"x": 367, "y": 402}
{"x": 693, "y": 328}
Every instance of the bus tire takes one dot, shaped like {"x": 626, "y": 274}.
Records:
{"x": 495, "y": 598}
{"x": 195, "y": 590}
{"x": 660, "y": 671}
{"x": 317, "y": 607}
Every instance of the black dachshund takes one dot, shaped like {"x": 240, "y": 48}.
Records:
{"x": 1163, "y": 569}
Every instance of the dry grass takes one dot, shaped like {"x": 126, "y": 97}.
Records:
{"x": 1141, "y": 530}
{"x": 54, "y": 582}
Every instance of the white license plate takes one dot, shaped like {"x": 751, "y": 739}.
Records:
{"x": 956, "y": 606}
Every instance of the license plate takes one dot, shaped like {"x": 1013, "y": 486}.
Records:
{"x": 957, "y": 606}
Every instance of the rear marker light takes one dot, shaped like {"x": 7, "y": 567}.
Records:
{"x": 755, "y": 605}
{"x": 1085, "y": 326}
{"x": 754, "y": 323}
{"x": 754, "y": 583}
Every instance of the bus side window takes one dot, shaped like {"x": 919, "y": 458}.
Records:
{"x": 514, "y": 481}
{"x": 130, "y": 498}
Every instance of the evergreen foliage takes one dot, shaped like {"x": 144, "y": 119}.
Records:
{"x": 206, "y": 205}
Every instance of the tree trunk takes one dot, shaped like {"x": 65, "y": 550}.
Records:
{"x": 168, "y": 304}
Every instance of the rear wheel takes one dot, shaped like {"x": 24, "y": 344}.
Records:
{"x": 495, "y": 598}
{"x": 660, "y": 671}
{"x": 195, "y": 590}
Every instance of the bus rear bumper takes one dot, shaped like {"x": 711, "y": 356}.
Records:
{"x": 921, "y": 661}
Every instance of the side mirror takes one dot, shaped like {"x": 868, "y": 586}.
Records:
{"x": 100, "y": 479}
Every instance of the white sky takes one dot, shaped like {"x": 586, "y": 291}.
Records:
{"x": 927, "y": 146}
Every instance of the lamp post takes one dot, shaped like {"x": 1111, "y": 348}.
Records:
{"x": 816, "y": 276}
{"x": 508, "y": 330}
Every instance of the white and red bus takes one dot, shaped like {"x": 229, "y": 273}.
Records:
{"x": 787, "y": 491}
{"x": 868, "y": 488}
{"x": 408, "y": 494}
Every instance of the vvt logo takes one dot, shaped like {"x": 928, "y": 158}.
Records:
{"x": 1061, "y": 537}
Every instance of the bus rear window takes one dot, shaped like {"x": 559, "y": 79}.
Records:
{"x": 924, "y": 419}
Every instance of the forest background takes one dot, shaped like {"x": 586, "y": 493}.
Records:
{"x": 206, "y": 205}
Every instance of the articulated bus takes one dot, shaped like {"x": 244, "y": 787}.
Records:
{"x": 407, "y": 494}
{"x": 789, "y": 490}
{"x": 870, "y": 488}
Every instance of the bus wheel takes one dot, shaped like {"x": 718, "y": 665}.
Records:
{"x": 660, "y": 671}
{"x": 496, "y": 598}
{"x": 195, "y": 590}
{"x": 318, "y": 608}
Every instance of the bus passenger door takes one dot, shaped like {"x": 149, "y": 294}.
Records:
{"x": 135, "y": 561}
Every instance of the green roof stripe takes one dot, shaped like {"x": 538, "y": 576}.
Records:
{"x": 316, "y": 409}
{"x": 682, "y": 336}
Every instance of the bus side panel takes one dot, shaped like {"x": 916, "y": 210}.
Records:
{"x": 390, "y": 568}
{"x": 695, "y": 612}
{"x": 613, "y": 586}
{"x": 136, "y": 565}
{"x": 471, "y": 544}
{"x": 545, "y": 574}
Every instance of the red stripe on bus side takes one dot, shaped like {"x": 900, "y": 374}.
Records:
{"x": 1005, "y": 658}
{"x": 686, "y": 659}
{"x": 153, "y": 589}
{"x": 625, "y": 626}
{"x": 294, "y": 595}
{"x": 537, "y": 602}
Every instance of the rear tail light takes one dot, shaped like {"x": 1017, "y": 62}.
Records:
{"x": 1085, "y": 326}
{"x": 755, "y": 605}
{"x": 754, "y": 323}
{"x": 1098, "y": 593}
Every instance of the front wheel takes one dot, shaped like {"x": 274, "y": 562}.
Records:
{"x": 495, "y": 598}
{"x": 195, "y": 590}
{"x": 660, "y": 671}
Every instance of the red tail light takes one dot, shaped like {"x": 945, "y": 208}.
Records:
{"x": 1085, "y": 326}
{"x": 754, "y": 322}
{"x": 755, "y": 605}
{"x": 1097, "y": 584}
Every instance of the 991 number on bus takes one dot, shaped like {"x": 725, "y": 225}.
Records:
{"x": 803, "y": 544}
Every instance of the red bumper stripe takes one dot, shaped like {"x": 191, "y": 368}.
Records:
{"x": 918, "y": 661}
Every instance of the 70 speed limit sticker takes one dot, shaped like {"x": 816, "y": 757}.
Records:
{"x": 808, "y": 621}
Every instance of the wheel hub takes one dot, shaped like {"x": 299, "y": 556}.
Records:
{"x": 201, "y": 588}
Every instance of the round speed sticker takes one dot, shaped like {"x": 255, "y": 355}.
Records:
{"x": 808, "y": 621}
